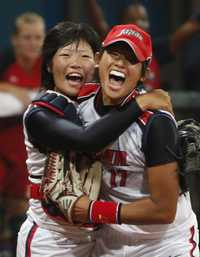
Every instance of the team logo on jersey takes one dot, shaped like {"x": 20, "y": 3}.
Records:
{"x": 131, "y": 32}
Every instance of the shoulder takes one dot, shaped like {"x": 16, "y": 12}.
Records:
{"x": 150, "y": 116}
{"x": 145, "y": 117}
{"x": 54, "y": 102}
{"x": 156, "y": 120}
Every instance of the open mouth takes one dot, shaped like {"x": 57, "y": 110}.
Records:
{"x": 75, "y": 77}
{"x": 117, "y": 78}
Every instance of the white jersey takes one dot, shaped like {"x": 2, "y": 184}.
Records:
{"x": 125, "y": 179}
{"x": 36, "y": 164}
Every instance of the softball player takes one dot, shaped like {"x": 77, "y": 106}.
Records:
{"x": 144, "y": 210}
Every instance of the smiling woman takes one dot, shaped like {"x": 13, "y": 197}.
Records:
{"x": 71, "y": 66}
{"x": 142, "y": 203}
{"x": 115, "y": 79}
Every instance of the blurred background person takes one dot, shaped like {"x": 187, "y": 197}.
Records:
{"x": 186, "y": 41}
{"x": 19, "y": 80}
{"x": 135, "y": 13}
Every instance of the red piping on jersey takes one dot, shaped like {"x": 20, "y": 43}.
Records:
{"x": 88, "y": 89}
{"x": 49, "y": 106}
{"x": 113, "y": 178}
{"x": 192, "y": 241}
{"x": 145, "y": 117}
{"x": 35, "y": 191}
{"x": 132, "y": 95}
{"x": 29, "y": 240}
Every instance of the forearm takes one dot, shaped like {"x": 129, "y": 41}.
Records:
{"x": 157, "y": 208}
{"x": 146, "y": 211}
{"x": 61, "y": 134}
{"x": 97, "y": 17}
{"x": 140, "y": 212}
{"x": 184, "y": 33}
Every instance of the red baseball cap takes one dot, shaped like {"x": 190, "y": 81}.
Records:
{"x": 135, "y": 37}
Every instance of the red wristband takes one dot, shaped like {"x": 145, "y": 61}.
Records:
{"x": 104, "y": 212}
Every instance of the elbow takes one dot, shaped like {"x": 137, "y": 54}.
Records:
{"x": 168, "y": 219}
{"x": 167, "y": 216}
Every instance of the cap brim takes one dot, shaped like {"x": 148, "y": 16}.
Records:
{"x": 133, "y": 46}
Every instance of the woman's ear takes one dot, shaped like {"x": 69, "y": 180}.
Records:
{"x": 97, "y": 59}
{"x": 145, "y": 75}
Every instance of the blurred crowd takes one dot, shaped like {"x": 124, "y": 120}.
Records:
{"x": 20, "y": 82}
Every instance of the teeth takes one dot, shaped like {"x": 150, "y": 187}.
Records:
{"x": 117, "y": 73}
{"x": 74, "y": 74}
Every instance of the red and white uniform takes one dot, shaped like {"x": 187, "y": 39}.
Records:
{"x": 125, "y": 180}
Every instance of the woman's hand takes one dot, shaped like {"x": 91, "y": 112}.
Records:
{"x": 155, "y": 100}
{"x": 81, "y": 209}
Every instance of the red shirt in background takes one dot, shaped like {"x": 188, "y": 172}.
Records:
{"x": 13, "y": 170}
{"x": 16, "y": 75}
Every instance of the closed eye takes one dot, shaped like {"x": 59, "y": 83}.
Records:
{"x": 86, "y": 56}
{"x": 115, "y": 54}
{"x": 66, "y": 55}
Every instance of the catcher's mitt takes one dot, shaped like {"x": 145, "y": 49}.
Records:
{"x": 189, "y": 142}
{"x": 62, "y": 184}
{"x": 189, "y": 139}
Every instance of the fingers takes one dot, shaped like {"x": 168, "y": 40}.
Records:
{"x": 155, "y": 99}
{"x": 167, "y": 106}
{"x": 80, "y": 210}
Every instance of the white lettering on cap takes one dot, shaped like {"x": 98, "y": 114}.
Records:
{"x": 131, "y": 33}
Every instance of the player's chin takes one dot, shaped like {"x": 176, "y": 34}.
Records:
{"x": 113, "y": 98}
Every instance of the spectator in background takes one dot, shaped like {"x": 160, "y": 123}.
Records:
{"x": 134, "y": 13}
{"x": 186, "y": 41}
{"x": 21, "y": 81}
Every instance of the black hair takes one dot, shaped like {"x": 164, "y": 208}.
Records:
{"x": 145, "y": 65}
{"x": 65, "y": 33}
